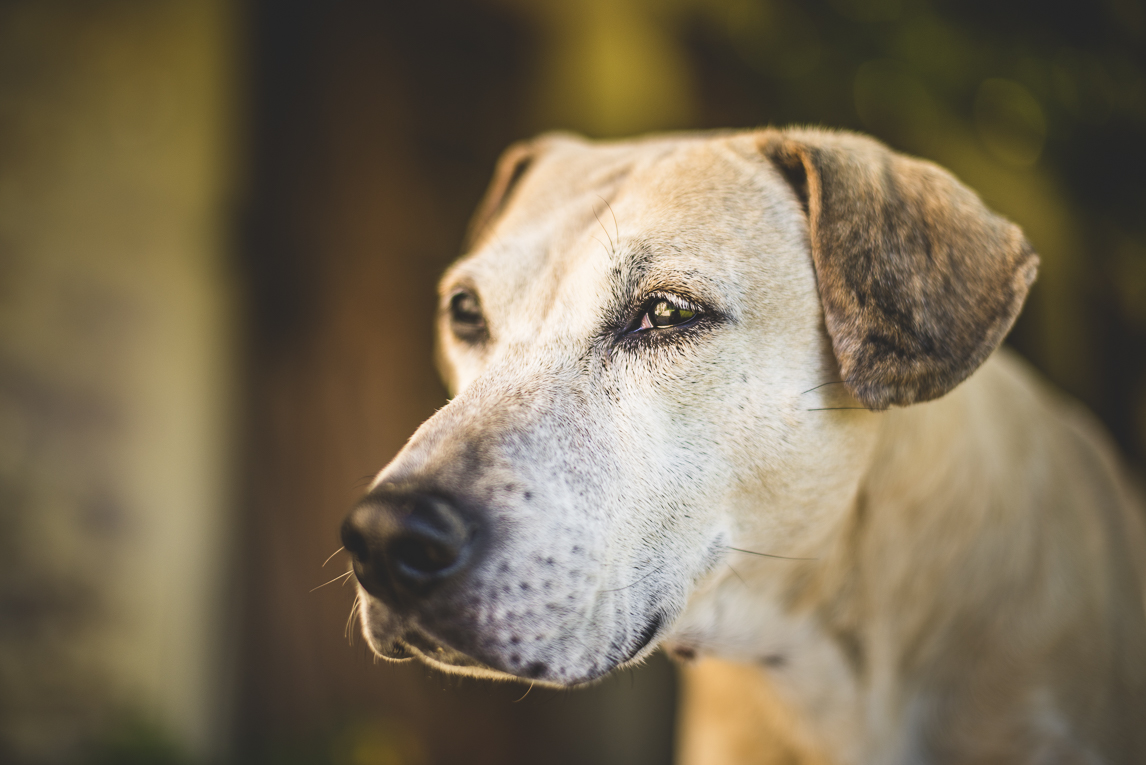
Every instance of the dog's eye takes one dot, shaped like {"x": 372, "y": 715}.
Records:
{"x": 663, "y": 313}
{"x": 466, "y": 315}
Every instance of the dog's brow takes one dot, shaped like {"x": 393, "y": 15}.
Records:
{"x": 628, "y": 278}
{"x": 640, "y": 269}
{"x": 633, "y": 266}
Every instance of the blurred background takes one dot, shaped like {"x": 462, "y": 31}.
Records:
{"x": 221, "y": 224}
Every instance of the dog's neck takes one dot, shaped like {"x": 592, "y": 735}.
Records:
{"x": 997, "y": 485}
{"x": 986, "y": 633}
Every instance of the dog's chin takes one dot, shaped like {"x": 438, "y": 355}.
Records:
{"x": 414, "y": 644}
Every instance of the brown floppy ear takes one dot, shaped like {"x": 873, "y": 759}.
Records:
{"x": 511, "y": 166}
{"x": 919, "y": 281}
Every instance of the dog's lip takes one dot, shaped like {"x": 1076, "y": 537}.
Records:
{"x": 394, "y": 650}
{"x": 403, "y": 639}
{"x": 416, "y": 642}
{"x": 649, "y": 634}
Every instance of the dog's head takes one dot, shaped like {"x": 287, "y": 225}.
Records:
{"x": 653, "y": 347}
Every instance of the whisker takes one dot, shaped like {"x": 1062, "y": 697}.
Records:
{"x": 737, "y": 573}
{"x": 336, "y": 552}
{"x": 348, "y": 630}
{"x": 822, "y": 385}
{"x": 607, "y": 250}
{"x": 612, "y": 247}
{"x": 765, "y": 555}
{"x": 527, "y": 690}
{"x": 643, "y": 578}
{"x": 615, "y": 226}
{"x": 332, "y": 581}
{"x": 837, "y": 408}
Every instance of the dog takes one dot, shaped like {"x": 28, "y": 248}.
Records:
{"x": 739, "y": 395}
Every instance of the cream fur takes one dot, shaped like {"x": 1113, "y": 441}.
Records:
{"x": 972, "y": 589}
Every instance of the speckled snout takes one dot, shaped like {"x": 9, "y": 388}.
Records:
{"x": 480, "y": 548}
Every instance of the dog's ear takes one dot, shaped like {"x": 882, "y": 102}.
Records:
{"x": 512, "y": 165}
{"x": 919, "y": 281}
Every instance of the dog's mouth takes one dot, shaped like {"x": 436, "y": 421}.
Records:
{"x": 403, "y": 640}
{"x": 413, "y": 643}
{"x": 417, "y": 644}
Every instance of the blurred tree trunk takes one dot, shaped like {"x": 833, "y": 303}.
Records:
{"x": 115, "y": 371}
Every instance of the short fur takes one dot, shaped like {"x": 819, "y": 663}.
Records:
{"x": 958, "y": 580}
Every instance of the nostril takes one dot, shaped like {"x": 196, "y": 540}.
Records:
{"x": 404, "y": 543}
{"x": 430, "y": 543}
{"x": 422, "y": 556}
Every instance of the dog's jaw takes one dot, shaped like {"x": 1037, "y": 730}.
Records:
{"x": 400, "y": 640}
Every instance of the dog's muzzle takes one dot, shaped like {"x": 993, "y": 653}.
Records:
{"x": 475, "y": 575}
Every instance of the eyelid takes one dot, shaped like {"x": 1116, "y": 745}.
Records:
{"x": 678, "y": 300}
{"x": 458, "y": 289}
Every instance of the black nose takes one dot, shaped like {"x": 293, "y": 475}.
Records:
{"x": 405, "y": 543}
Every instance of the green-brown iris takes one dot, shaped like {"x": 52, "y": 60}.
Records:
{"x": 665, "y": 313}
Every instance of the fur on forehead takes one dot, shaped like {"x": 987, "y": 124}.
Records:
{"x": 657, "y": 202}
